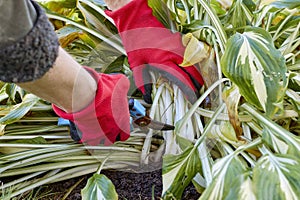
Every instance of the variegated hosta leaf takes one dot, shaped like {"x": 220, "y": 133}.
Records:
{"x": 277, "y": 177}
{"x": 61, "y": 7}
{"x": 179, "y": 15}
{"x": 241, "y": 188}
{"x": 160, "y": 11}
{"x": 239, "y": 14}
{"x": 282, "y": 3}
{"x": 274, "y": 135}
{"x": 228, "y": 131}
{"x": 2, "y": 129}
{"x": 3, "y": 93}
{"x": 69, "y": 33}
{"x": 274, "y": 142}
{"x": 12, "y": 90}
{"x": 19, "y": 110}
{"x": 178, "y": 172}
{"x": 281, "y": 143}
{"x": 12, "y": 150}
{"x": 257, "y": 68}
{"x": 295, "y": 98}
{"x": 294, "y": 81}
{"x": 227, "y": 171}
{"x": 201, "y": 32}
{"x": 99, "y": 187}
{"x": 225, "y": 3}
{"x": 94, "y": 17}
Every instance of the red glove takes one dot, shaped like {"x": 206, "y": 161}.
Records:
{"x": 149, "y": 45}
{"x": 106, "y": 119}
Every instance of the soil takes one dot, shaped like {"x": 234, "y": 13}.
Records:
{"x": 129, "y": 186}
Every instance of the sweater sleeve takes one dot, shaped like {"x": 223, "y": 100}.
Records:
{"x": 15, "y": 25}
{"x": 28, "y": 42}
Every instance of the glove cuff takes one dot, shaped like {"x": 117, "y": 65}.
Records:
{"x": 86, "y": 119}
{"x": 33, "y": 55}
{"x": 86, "y": 112}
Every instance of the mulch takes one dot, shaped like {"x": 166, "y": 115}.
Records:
{"x": 129, "y": 186}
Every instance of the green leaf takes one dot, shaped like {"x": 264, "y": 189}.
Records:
{"x": 295, "y": 99}
{"x": 11, "y": 150}
{"x": 277, "y": 177}
{"x": 15, "y": 92}
{"x": 215, "y": 22}
{"x": 90, "y": 31}
{"x": 220, "y": 6}
{"x": 239, "y": 14}
{"x": 225, "y": 171}
{"x": 36, "y": 140}
{"x": 227, "y": 130}
{"x": 99, "y": 187}
{"x": 116, "y": 66}
{"x": 274, "y": 142}
{"x": 68, "y": 34}
{"x": 95, "y": 18}
{"x": 160, "y": 11}
{"x": 281, "y": 143}
{"x": 60, "y": 5}
{"x": 257, "y": 68}
{"x": 98, "y": 2}
{"x": 183, "y": 142}
{"x": 249, "y": 4}
{"x": 241, "y": 188}
{"x": 294, "y": 81}
{"x": 3, "y": 93}
{"x": 274, "y": 135}
{"x": 19, "y": 110}
{"x": 178, "y": 171}
{"x": 290, "y": 4}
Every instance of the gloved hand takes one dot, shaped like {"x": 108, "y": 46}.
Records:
{"x": 149, "y": 45}
{"x": 106, "y": 119}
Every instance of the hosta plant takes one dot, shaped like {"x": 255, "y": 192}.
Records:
{"x": 239, "y": 140}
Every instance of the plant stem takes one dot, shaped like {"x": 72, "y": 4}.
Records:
{"x": 216, "y": 21}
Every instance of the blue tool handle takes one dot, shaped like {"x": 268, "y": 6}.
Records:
{"x": 63, "y": 122}
{"x": 136, "y": 109}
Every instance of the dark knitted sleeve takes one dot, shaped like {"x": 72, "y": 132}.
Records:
{"x": 31, "y": 56}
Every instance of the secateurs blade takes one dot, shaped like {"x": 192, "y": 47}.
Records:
{"x": 140, "y": 119}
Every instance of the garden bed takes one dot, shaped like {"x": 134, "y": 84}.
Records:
{"x": 145, "y": 186}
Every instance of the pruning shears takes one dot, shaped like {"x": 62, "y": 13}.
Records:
{"x": 141, "y": 120}
{"x": 138, "y": 118}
